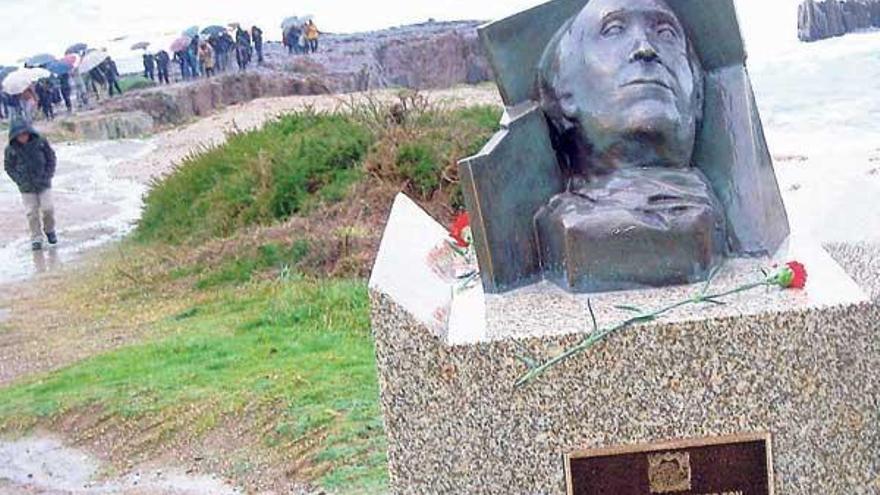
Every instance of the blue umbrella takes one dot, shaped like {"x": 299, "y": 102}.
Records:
{"x": 213, "y": 30}
{"x": 77, "y": 48}
{"x": 192, "y": 32}
{"x": 39, "y": 60}
{"x": 58, "y": 68}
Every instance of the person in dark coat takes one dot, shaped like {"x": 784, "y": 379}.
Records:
{"x": 111, "y": 73}
{"x": 162, "y": 62}
{"x": 228, "y": 45}
{"x": 30, "y": 163}
{"x": 257, "y": 36}
{"x": 64, "y": 84}
{"x": 4, "y": 105}
{"x": 44, "y": 98}
{"x": 96, "y": 78}
{"x": 243, "y": 48}
{"x": 183, "y": 62}
{"x": 149, "y": 66}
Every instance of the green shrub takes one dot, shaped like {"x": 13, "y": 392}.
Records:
{"x": 257, "y": 177}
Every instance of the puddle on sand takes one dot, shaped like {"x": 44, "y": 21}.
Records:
{"x": 92, "y": 207}
{"x": 45, "y": 466}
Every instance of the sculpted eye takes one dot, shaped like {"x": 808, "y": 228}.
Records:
{"x": 667, "y": 31}
{"x": 612, "y": 28}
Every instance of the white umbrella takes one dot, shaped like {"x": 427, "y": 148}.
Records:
{"x": 92, "y": 60}
{"x": 20, "y": 80}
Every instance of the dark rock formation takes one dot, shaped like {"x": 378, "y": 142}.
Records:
{"x": 829, "y": 18}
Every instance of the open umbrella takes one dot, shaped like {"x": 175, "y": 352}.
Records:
{"x": 92, "y": 60}
{"x": 213, "y": 31}
{"x": 5, "y": 71}
{"x": 234, "y": 25}
{"x": 71, "y": 59}
{"x": 59, "y": 67}
{"x": 76, "y": 48}
{"x": 192, "y": 32}
{"x": 39, "y": 60}
{"x": 140, "y": 45}
{"x": 181, "y": 44}
{"x": 18, "y": 81}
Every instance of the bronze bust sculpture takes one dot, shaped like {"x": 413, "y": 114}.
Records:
{"x": 619, "y": 91}
{"x": 622, "y": 90}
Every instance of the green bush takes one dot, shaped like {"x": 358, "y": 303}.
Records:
{"x": 257, "y": 177}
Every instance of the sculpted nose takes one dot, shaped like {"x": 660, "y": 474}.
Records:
{"x": 644, "y": 52}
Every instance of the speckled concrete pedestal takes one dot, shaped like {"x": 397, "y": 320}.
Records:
{"x": 802, "y": 365}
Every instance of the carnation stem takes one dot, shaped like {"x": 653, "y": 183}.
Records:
{"x": 599, "y": 335}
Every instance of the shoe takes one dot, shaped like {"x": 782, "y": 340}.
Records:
{"x": 36, "y": 246}
{"x": 52, "y": 238}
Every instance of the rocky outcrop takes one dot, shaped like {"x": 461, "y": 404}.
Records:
{"x": 93, "y": 126}
{"x": 424, "y": 56}
{"x": 181, "y": 102}
{"x": 830, "y": 18}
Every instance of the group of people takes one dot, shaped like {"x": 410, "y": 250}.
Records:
{"x": 46, "y": 94}
{"x": 206, "y": 56}
{"x": 301, "y": 38}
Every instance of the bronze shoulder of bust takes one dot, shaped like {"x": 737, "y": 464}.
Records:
{"x": 622, "y": 88}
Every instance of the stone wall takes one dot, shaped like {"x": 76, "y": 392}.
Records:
{"x": 819, "y": 20}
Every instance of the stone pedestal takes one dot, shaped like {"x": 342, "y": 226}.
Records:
{"x": 799, "y": 365}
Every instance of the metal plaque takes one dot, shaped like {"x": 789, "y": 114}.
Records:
{"x": 735, "y": 465}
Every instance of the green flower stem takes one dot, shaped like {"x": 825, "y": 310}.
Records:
{"x": 599, "y": 335}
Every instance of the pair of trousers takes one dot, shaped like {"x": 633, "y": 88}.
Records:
{"x": 40, "y": 211}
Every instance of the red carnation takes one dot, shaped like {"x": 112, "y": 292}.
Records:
{"x": 792, "y": 276}
{"x": 798, "y": 275}
{"x": 459, "y": 231}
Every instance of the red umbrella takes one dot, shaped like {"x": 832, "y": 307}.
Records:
{"x": 181, "y": 44}
{"x": 71, "y": 60}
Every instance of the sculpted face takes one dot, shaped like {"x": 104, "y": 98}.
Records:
{"x": 620, "y": 75}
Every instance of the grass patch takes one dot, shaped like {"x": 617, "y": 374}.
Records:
{"x": 301, "y": 348}
{"x": 131, "y": 83}
{"x": 257, "y": 177}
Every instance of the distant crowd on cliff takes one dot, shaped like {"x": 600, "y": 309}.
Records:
{"x": 83, "y": 75}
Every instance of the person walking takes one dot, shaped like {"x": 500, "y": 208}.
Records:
{"x": 181, "y": 58}
{"x": 30, "y": 163}
{"x": 149, "y": 66}
{"x": 312, "y": 35}
{"x": 64, "y": 83}
{"x": 162, "y": 62}
{"x": 243, "y": 48}
{"x": 257, "y": 36}
{"x": 226, "y": 44}
{"x": 206, "y": 58}
{"x": 192, "y": 57}
{"x": 82, "y": 93}
{"x": 111, "y": 72}
{"x": 44, "y": 98}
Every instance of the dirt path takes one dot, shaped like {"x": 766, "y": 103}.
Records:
{"x": 44, "y": 466}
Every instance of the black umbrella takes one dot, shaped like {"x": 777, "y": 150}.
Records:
{"x": 77, "y": 48}
{"x": 141, "y": 45}
{"x": 39, "y": 60}
{"x": 213, "y": 30}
